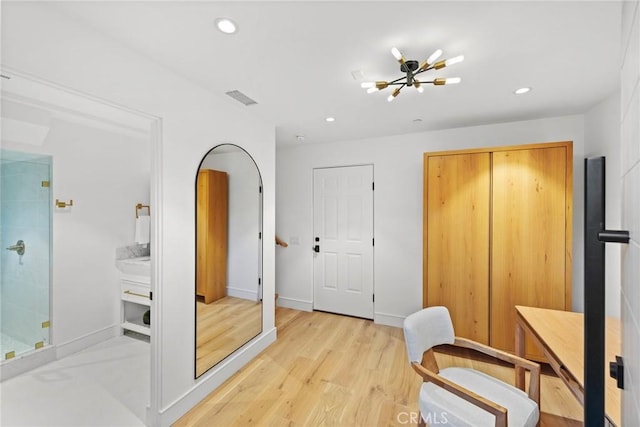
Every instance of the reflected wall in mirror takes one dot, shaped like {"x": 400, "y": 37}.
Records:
{"x": 228, "y": 290}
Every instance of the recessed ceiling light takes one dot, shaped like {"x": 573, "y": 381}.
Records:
{"x": 300, "y": 138}
{"x": 522, "y": 90}
{"x": 226, "y": 25}
{"x": 418, "y": 120}
{"x": 330, "y": 119}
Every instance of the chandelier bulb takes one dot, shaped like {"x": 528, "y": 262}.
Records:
{"x": 454, "y": 60}
{"x": 372, "y": 89}
{"x": 435, "y": 55}
{"x": 448, "y": 81}
{"x": 393, "y": 95}
{"x": 367, "y": 85}
{"x": 398, "y": 55}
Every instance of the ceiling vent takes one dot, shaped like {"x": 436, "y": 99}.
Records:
{"x": 241, "y": 97}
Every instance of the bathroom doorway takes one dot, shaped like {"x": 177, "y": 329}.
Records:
{"x": 25, "y": 236}
{"x": 91, "y": 163}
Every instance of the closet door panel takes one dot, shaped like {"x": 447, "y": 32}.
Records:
{"x": 529, "y": 244}
{"x": 457, "y": 202}
{"x": 211, "y": 248}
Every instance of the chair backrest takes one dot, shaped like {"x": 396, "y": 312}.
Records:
{"x": 427, "y": 328}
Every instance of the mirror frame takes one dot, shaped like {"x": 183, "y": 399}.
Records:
{"x": 260, "y": 260}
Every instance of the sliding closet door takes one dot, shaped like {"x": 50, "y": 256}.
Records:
{"x": 456, "y": 227}
{"x": 531, "y": 236}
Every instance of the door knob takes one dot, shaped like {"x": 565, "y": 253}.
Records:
{"x": 316, "y": 248}
{"x": 18, "y": 247}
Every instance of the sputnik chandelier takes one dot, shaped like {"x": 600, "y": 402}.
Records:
{"x": 411, "y": 69}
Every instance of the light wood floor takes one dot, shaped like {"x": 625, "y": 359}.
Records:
{"x": 333, "y": 370}
{"x": 223, "y": 326}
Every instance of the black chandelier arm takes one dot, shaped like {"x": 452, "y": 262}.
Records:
{"x": 430, "y": 67}
{"x": 397, "y": 81}
{"x": 413, "y": 75}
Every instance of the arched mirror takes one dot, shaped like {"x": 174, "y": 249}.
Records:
{"x": 228, "y": 289}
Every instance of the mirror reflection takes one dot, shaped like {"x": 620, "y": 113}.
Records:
{"x": 228, "y": 254}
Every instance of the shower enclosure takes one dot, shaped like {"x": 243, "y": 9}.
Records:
{"x": 25, "y": 264}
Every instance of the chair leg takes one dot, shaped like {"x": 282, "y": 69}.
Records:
{"x": 421, "y": 421}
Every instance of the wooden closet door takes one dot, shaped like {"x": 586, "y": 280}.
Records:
{"x": 531, "y": 228}
{"x": 211, "y": 240}
{"x": 456, "y": 252}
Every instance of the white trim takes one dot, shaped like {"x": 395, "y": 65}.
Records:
{"x": 70, "y": 104}
{"x": 388, "y": 319}
{"x": 155, "y": 396}
{"x": 214, "y": 378}
{"x": 296, "y": 304}
{"x": 242, "y": 293}
{"x": 85, "y": 341}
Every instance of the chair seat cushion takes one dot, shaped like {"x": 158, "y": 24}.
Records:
{"x": 439, "y": 406}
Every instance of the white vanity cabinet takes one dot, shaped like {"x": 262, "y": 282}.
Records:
{"x": 135, "y": 297}
{"x": 135, "y": 293}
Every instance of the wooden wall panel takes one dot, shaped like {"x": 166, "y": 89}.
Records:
{"x": 457, "y": 249}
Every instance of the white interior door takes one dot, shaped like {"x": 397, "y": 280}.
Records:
{"x": 343, "y": 240}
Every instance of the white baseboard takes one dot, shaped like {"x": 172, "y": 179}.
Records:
{"x": 296, "y": 304}
{"x": 242, "y": 293}
{"x": 388, "y": 319}
{"x": 50, "y": 353}
{"x": 213, "y": 379}
{"x": 21, "y": 364}
{"x": 78, "y": 344}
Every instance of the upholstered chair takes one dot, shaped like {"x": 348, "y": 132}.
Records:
{"x": 458, "y": 396}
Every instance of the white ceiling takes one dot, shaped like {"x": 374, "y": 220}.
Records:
{"x": 296, "y": 58}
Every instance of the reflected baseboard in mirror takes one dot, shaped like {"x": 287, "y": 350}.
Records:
{"x": 224, "y": 326}
{"x": 228, "y": 289}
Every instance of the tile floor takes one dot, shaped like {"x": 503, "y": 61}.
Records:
{"x": 104, "y": 385}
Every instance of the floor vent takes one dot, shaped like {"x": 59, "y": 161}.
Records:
{"x": 241, "y": 97}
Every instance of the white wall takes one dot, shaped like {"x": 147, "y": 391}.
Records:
{"x": 37, "y": 40}
{"x": 398, "y": 206}
{"x": 243, "y": 246}
{"x": 602, "y": 138}
{"x": 630, "y": 148}
{"x": 85, "y": 290}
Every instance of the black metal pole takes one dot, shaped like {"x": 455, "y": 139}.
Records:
{"x": 594, "y": 295}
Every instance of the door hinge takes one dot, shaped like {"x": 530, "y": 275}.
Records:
{"x": 373, "y": 186}
{"x": 373, "y": 242}
{"x": 260, "y": 189}
{"x": 374, "y": 297}
{"x": 151, "y": 296}
{"x": 260, "y": 235}
{"x": 259, "y": 281}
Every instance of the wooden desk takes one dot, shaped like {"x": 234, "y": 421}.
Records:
{"x": 560, "y": 335}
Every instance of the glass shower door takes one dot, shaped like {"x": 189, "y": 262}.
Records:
{"x": 25, "y": 254}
